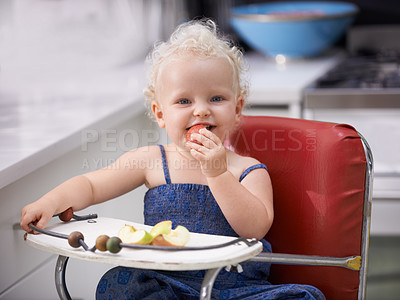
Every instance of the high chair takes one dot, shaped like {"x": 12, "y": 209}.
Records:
{"x": 322, "y": 183}
{"x": 322, "y": 179}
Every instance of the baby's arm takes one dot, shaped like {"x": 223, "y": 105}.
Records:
{"x": 82, "y": 191}
{"x": 247, "y": 205}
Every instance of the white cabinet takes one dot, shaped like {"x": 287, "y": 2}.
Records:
{"x": 82, "y": 278}
{"x": 27, "y": 273}
{"x": 36, "y": 285}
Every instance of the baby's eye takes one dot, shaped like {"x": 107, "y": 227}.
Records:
{"x": 216, "y": 99}
{"x": 183, "y": 101}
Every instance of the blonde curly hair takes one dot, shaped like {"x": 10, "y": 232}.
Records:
{"x": 200, "y": 38}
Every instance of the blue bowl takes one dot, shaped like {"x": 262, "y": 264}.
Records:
{"x": 292, "y": 29}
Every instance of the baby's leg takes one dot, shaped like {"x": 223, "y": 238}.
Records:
{"x": 129, "y": 283}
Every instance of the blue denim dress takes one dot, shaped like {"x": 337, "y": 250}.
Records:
{"x": 194, "y": 206}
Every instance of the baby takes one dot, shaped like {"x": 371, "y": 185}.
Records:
{"x": 196, "y": 78}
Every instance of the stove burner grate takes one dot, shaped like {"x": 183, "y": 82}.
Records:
{"x": 365, "y": 70}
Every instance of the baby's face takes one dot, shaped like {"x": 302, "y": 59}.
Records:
{"x": 192, "y": 90}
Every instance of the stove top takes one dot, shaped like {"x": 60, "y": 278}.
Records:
{"x": 366, "y": 69}
{"x": 369, "y": 77}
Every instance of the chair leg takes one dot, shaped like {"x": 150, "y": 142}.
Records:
{"x": 60, "y": 277}
{"x": 208, "y": 282}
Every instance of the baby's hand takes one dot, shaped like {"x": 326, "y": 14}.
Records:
{"x": 35, "y": 213}
{"x": 207, "y": 148}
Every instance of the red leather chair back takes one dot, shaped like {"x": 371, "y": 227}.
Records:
{"x": 318, "y": 176}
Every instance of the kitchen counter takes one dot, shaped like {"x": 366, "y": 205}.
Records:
{"x": 40, "y": 121}
{"x": 283, "y": 84}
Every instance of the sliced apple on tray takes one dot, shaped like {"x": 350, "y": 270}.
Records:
{"x": 129, "y": 235}
{"x": 178, "y": 237}
{"x": 160, "y": 235}
{"x": 140, "y": 236}
{"x": 163, "y": 227}
{"x": 126, "y": 230}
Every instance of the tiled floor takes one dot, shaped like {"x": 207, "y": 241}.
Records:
{"x": 383, "y": 279}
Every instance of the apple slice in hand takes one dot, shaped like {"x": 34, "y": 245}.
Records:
{"x": 176, "y": 238}
{"x": 193, "y": 129}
